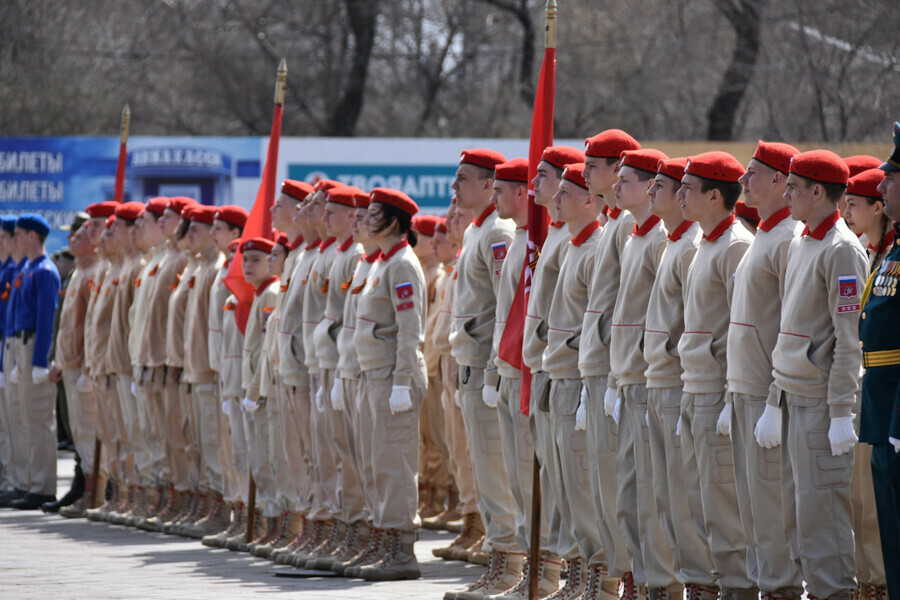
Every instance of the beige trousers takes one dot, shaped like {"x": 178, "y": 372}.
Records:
{"x": 230, "y": 482}
{"x": 239, "y": 465}
{"x": 757, "y": 472}
{"x": 363, "y": 426}
{"x": 494, "y": 497}
{"x": 132, "y": 436}
{"x": 602, "y": 441}
{"x": 678, "y": 504}
{"x": 37, "y": 403}
{"x": 178, "y": 442}
{"x": 433, "y": 452}
{"x": 727, "y": 543}
{"x": 327, "y": 461}
{"x": 149, "y": 389}
{"x": 817, "y": 494}
{"x": 576, "y": 465}
{"x": 555, "y": 535}
{"x": 518, "y": 455}
{"x": 635, "y": 503}
{"x": 125, "y": 449}
{"x": 352, "y": 488}
{"x": 284, "y": 486}
{"x": 455, "y": 434}
{"x": 395, "y": 452}
{"x": 82, "y": 418}
{"x": 106, "y": 430}
{"x": 298, "y": 446}
{"x": 12, "y": 473}
{"x": 257, "y": 429}
{"x": 206, "y": 408}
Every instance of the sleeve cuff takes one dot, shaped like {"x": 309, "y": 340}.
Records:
{"x": 491, "y": 379}
{"x": 404, "y": 380}
{"x": 840, "y": 410}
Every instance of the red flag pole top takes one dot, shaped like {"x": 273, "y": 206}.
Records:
{"x": 259, "y": 223}
{"x": 119, "y": 189}
{"x": 510, "y": 348}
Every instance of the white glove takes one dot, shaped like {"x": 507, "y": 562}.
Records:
{"x": 490, "y": 396}
{"x": 895, "y": 443}
{"x": 337, "y": 395}
{"x": 249, "y": 405}
{"x": 723, "y": 425}
{"x": 842, "y": 435}
{"x": 133, "y": 389}
{"x": 617, "y": 410}
{"x": 609, "y": 402}
{"x": 320, "y": 399}
{"x": 768, "y": 428}
{"x": 84, "y": 384}
{"x": 400, "y": 400}
{"x": 2, "y": 381}
{"x": 225, "y": 407}
{"x": 14, "y": 375}
{"x": 678, "y": 427}
{"x": 581, "y": 412}
{"x": 40, "y": 375}
{"x": 457, "y": 399}
{"x": 647, "y": 418}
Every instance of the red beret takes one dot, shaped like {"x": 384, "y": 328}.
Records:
{"x": 425, "y": 224}
{"x": 110, "y": 220}
{"x": 715, "y": 165}
{"x": 343, "y": 194}
{"x": 821, "y": 165}
{"x": 861, "y": 162}
{"x": 233, "y": 215}
{"x": 298, "y": 190}
{"x": 610, "y": 144}
{"x": 101, "y": 209}
{"x": 258, "y": 243}
{"x": 326, "y": 184}
{"x": 362, "y": 201}
{"x": 674, "y": 168}
{"x": 203, "y": 214}
{"x": 234, "y": 244}
{"x": 394, "y": 198}
{"x": 282, "y": 240}
{"x": 646, "y": 159}
{"x": 442, "y": 226}
{"x": 179, "y": 202}
{"x": 157, "y": 205}
{"x": 866, "y": 183}
{"x": 775, "y": 155}
{"x": 574, "y": 172}
{"x": 747, "y": 212}
{"x": 560, "y": 156}
{"x": 481, "y": 157}
{"x": 129, "y": 210}
{"x": 515, "y": 170}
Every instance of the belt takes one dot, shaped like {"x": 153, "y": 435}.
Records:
{"x": 881, "y": 358}
{"x": 23, "y": 333}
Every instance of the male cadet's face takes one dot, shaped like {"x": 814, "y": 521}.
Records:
{"x": 337, "y": 219}
{"x": 757, "y": 181}
{"x": 148, "y": 226}
{"x": 168, "y": 223}
{"x": 122, "y": 233}
{"x": 599, "y": 174}
{"x": 20, "y": 239}
{"x": 276, "y": 260}
{"x": 444, "y": 250}
{"x": 507, "y": 199}
{"x": 801, "y": 195}
{"x": 95, "y": 227}
{"x": 315, "y": 210}
{"x": 222, "y": 234}
{"x": 200, "y": 236}
{"x": 424, "y": 249}
{"x": 860, "y": 215}
{"x": 629, "y": 191}
{"x": 110, "y": 242}
{"x": 6, "y": 242}
{"x": 571, "y": 201}
{"x": 283, "y": 211}
{"x": 357, "y": 229}
{"x": 694, "y": 202}
{"x": 662, "y": 195}
{"x": 890, "y": 191}
{"x": 545, "y": 183}
{"x": 255, "y": 266}
{"x": 78, "y": 242}
{"x": 470, "y": 186}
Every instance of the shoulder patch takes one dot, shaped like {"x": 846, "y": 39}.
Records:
{"x": 499, "y": 250}
{"x": 404, "y": 290}
{"x": 848, "y": 286}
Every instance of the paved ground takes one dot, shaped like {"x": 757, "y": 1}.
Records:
{"x": 47, "y": 556}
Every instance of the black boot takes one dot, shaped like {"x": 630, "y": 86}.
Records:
{"x": 6, "y": 498}
{"x": 71, "y": 497}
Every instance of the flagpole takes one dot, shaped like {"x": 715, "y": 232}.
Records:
{"x": 125, "y": 127}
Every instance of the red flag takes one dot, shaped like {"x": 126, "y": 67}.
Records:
{"x": 259, "y": 224}
{"x": 510, "y": 348}
{"x": 119, "y": 188}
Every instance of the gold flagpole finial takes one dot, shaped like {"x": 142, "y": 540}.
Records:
{"x": 280, "y": 79}
{"x": 126, "y": 124}
{"x": 550, "y": 25}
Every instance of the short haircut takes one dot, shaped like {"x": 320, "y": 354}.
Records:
{"x": 833, "y": 191}
{"x": 730, "y": 190}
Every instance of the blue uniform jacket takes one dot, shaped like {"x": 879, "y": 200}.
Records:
{"x": 36, "y": 303}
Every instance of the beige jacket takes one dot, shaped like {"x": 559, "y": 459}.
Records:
{"x": 291, "y": 354}
{"x": 543, "y": 282}
{"x": 157, "y": 279}
{"x": 254, "y": 336}
{"x": 140, "y": 306}
{"x": 99, "y": 318}
{"x": 231, "y": 373}
{"x": 218, "y": 295}
{"x": 177, "y": 310}
{"x": 117, "y": 357}
{"x": 339, "y": 280}
{"x": 443, "y": 322}
{"x": 197, "y": 367}
{"x": 315, "y": 297}
{"x": 70, "y": 338}
{"x": 509, "y": 283}
{"x": 348, "y": 365}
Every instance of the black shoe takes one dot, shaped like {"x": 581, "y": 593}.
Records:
{"x": 71, "y": 497}
{"x": 6, "y": 498}
{"x": 31, "y": 501}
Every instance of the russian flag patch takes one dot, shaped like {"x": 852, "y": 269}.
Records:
{"x": 404, "y": 290}
{"x": 499, "y": 251}
{"x": 848, "y": 286}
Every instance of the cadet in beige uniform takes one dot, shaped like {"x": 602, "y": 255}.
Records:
{"x": 752, "y": 332}
{"x": 639, "y": 261}
{"x": 676, "y": 489}
{"x": 390, "y": 331}
{"x": 572, "y": 490}
{"x": 485, "y": 246}
{"x": 816, "y": 367}
{"x": 602, "y": 153}
{"x": 708, "y": 193}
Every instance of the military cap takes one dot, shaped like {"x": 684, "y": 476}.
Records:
{"x": 574, "y": 172}
{"x": 715, "y": 165}
{"x": 298, "y": 190}
{"x": 823, "y": 166}
{"x": 861, "y": 162}
{"x": 157, "y": 205}
{"x": 645, "y": 159}
{"x": 101, "y": 209}
{"x": 866, "y": 183}
{"x": 8, "y": 223}
{"x": 178, "y": 203}
{"x": 33, "y": 222}
{"x": 673, "y": 167}
{"x": 394, "y": 198}
{"x": 326, "y": 184}
{"x": 283, "y": 241}
{"x": 746, "y": 212}
{"x": 232, "y": 214}
{"x": 442, "y": 225}
{"x": 425, "y": 224}
{"x": 258, "y": 243}
{"x": 342, "y": 194}
{"x": 610, "y": 144}
{"x": 202, "y": 214}
{"x": 775, "y": 155}
{"x": 515, "y": 170}
{"x": 892, "y": 165}
{"x": 560, "y": 156}
{"x": 481, "y": 157}
{"x": 129, "y": 210}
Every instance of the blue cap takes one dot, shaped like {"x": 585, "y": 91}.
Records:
{"x": 8, "y": 223}
{"x": 892, "y": 165}
{"x": 32, "y": 222}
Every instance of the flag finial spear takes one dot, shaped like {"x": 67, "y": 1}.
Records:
{"x": 550, "y": 25}
{"x": 280, "y": 79}
{"x": 126, "y": 124}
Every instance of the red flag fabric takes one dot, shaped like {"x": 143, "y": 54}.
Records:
{"x": 510, "y": 348}
{"x": 259, "y": 224}
{"x": 119, "y": 189}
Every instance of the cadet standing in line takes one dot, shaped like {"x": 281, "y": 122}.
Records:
{"x": 35, "y": 308}
{"x": 755, "y": 314}
{"x": 637, "y": 514}
{"x": 484, "y": 249}
{"x": 816, "y": 366}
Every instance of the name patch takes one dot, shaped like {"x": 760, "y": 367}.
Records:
{"x": 847, "y": 308}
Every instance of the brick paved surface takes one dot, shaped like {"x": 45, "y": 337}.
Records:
{"x": 49, "y": 557}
